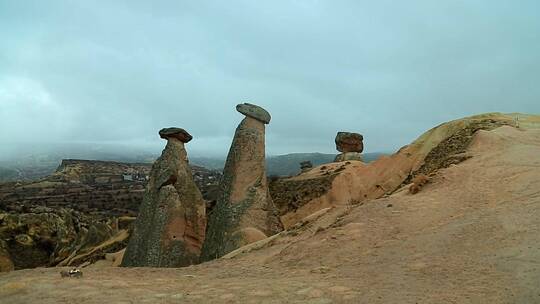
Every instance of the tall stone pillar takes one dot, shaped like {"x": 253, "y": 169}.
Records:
{"x": 170, "y": 228}
{"x": 244, "y": 212}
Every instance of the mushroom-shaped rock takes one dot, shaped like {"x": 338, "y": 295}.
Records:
{"x": 178, "y": 133}
{"x": 171, "y": 226}
{"x": 244, "y": 203}
{"x": 349, "y": 142}
{"x": 254, "y": 111}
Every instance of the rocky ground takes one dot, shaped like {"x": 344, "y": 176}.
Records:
{"x": 471, "y": 235}
{"x": 78, "y": 214}
{"x": 105, "y": 188}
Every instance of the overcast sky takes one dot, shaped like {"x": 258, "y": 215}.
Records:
{"x": 118, "y": 71}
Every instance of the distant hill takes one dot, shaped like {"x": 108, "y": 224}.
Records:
{"x": 31, "y": 161}
{"x": 27, "y": 170}
{"x": 289, "y": 164}
{"x": 214, "y": 163}
{"x": 33, "y": 167}
{"x": 281, "y": 165}
{"x": 8, "y": 174}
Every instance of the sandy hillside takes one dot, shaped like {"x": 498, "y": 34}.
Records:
{"x": 472, "y": 235}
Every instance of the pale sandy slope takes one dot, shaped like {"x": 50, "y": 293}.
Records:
{"x": 471, "y": 236}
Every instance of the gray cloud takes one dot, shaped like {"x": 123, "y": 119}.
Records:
{"x": 98, "y": 71}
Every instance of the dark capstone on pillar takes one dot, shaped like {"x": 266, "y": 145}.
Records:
{"x": 170, "y": 228}
{"x": 350, "y": 145}
{"x": 244, "y": 212}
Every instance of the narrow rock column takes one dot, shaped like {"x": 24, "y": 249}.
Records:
{"x": 244, "y": 212}
{"x": 170, "y": 228}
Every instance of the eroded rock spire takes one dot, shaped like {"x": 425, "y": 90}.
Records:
{"x": 244, "y": 212}
{"x": 170, "y": 228}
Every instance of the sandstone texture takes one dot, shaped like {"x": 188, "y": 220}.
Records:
{"x": 346, "y": 156}
{"x": 171, "y": 224}
{"x": 418, "y": 182}
{"x": 356, "y": 182}
{"x": 349, "y": 142}
{"x": 244, "y": 200}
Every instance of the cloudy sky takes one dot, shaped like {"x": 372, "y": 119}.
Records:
{"x": 118, "y": 71}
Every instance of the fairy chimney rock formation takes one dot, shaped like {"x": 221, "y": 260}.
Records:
{"x": 171, "y": 226}
{"x": 244, "y": 211}
{"x": 350, "y": 144}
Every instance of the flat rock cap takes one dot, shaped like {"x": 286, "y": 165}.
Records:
{"x": 178, "y": 133}
{"x": 254, "y": 111}
{"x": 349, "y": 142}
{"x": 349, "y": 136}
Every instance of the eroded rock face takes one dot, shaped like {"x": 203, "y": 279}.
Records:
{"x": 350, "y": 183}
{"x": 349, "y": 142}
{"x": 348, "y": 156}
{"x": 244, "y": 203}
{"x": 170, "y": 228}
{"x": 6, "y": 264}
{"x": 46, "y": 237}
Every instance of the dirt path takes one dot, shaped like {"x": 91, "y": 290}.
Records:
{"x": 472, "y": 235}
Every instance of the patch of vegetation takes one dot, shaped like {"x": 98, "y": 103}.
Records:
{"x": 451, "y": 150}
{"x": 289, "y": 195}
